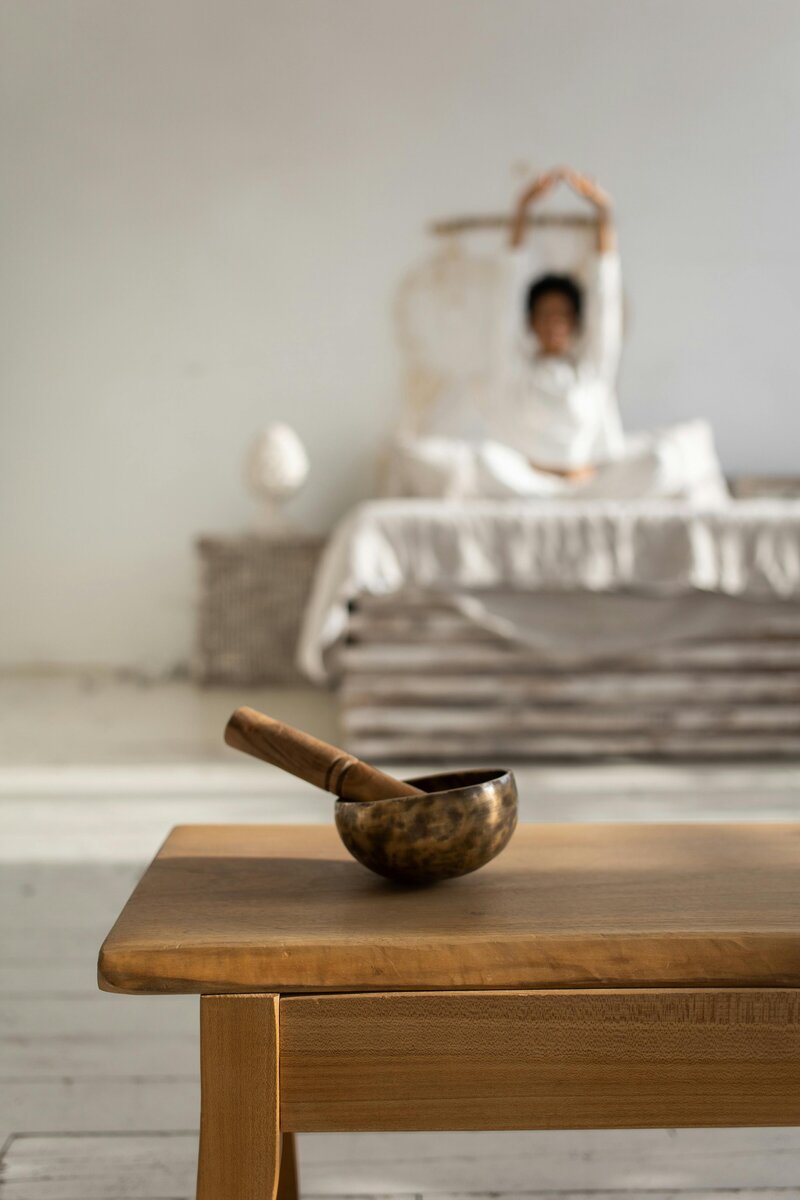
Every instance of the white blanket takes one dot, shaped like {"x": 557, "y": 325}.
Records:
{"x": 678, "y": 462}
{"x": 470, "y": 549}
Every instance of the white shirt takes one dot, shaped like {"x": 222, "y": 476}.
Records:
{"x": 562, "y": 412}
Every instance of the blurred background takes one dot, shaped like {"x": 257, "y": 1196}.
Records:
{"x": 207, "y": 208}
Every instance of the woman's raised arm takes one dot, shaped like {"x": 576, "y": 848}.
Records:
{"x": 582, "y": 185}
{"x": 540, "y": 187}
{"x": 602, "y": 340}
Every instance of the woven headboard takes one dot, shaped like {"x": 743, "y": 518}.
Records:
{"x": 447, "y": 307}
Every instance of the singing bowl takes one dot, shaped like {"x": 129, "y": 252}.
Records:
{"x": 462, "y": 822}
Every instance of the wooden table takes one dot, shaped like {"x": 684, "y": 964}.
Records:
{"x": 593, "y": 976}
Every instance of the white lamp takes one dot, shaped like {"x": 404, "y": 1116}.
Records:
{"x": 276, "y": 467}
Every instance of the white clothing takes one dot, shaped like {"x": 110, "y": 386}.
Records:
{"x": 560, "y": 411}
{"x": 677, "y": 463}
{"x": 513, "y": 407}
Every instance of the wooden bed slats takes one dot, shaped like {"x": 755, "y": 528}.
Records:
{"x": 576, "y": 747}
{"x": 539, "y": 719}
{"x": 409, "y": 606}
{"x": 574, "y": 687}
{"x": 421, "y": 681}
{"x": 430, "y": 651}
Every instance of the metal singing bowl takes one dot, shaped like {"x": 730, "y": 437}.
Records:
{"x": 462, "y": 822}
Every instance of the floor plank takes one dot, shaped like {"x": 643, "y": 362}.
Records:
{"x": 141, "y": 720}
{"x": 637, "y": 1160}
{"x": 99, "y": 1055}
{"x": 158, "y": 1166}
{"x": 99, "y": 1168}
{"x": 97, "y": 1013}
{"x": 54, "y": 897}
{"x": 129, "y": 1102}
{"x": 54, "y": 817}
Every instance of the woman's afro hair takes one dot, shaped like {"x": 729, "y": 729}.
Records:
{"x": 562, "y": 285}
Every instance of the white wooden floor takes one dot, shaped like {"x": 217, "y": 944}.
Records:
{"x": 99, "y": 1093}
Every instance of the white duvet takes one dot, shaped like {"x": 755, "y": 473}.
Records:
{"x": 495, "y": 557}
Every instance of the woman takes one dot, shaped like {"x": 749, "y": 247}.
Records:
{"x": 557, "y": 400}
{"x": 551, "y": 424}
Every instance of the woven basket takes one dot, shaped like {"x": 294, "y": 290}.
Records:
{"x": 253, "y": 591}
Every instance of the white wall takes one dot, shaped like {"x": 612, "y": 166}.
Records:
{"x": 206, "y": 204}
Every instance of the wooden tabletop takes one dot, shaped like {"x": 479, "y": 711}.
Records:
{"x": 283, "y": 908}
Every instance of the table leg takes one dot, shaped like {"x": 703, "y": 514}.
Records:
{"x": 239, "y": 1114}
{"x": 288, "y": 1188}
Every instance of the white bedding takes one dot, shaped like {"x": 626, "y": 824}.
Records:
{"x": 478, "y": 552}
{"x": 678, "y": 462}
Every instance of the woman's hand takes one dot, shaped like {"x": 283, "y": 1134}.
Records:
{"x": 586, "y": 187}
{"x": 582, "y": 185}
{"x": 540, "y": 187}
{"x": 570, "y": 474}
{"x": 591, "y": 191}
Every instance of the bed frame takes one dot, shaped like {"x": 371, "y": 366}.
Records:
{"x": 419, "y": 681}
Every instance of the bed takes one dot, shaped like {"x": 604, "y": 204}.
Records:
{"x": 523, "y": 627}
{"x": 548, "y": 630}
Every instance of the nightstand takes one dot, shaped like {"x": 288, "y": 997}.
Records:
{"x": 253, "y": 591}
